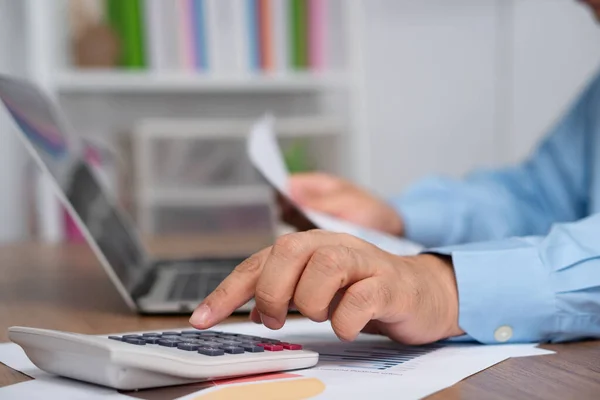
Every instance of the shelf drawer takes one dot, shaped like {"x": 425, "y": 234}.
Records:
{"x": 245, "y": 219}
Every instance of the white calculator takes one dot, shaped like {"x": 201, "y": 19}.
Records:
{"x": 158, "y": 359}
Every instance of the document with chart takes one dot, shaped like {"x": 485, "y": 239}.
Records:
{"x": 265, "y": 154}
{"x": 371, "y": 367}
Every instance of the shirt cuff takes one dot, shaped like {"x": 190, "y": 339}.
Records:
{"x": 505, "y": 294}
{"x": 425, "y": 221}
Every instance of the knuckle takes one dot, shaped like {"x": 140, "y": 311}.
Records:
{"x": 359, "y": 297}
{"x": 250, "y": 265}
{"x": 329, "y": 261}
{"x": 267, "y": 301}
{"x": 307, "y": 308}
{"x": 302, "y": 304}
{"x": 288, "y": 244}
{"x": 220, "y": 292}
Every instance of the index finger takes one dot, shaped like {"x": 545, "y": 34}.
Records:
{"x": 235, "y": 290}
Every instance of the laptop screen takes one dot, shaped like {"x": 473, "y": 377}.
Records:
{"x": 62, "y": 153}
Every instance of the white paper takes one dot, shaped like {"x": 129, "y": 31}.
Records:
{"x": 346, "y": 370}
{"x": 359, "y": 369}
{"x": 265, "y": 154}
{"x": 44, "y": 385}
{"x": 51, "y": 387}
{"x": 13, "y": 356}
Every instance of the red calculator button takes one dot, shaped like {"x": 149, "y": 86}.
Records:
{"x": 290, "y": 346}
{"x": 273, "y": 347}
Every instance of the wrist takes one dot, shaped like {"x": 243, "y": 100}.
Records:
{"x": 446, "y": 287}
{"x": 395, "y": 224}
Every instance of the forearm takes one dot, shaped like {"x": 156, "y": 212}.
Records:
{"x": 539, "y": 289}
{"x": 551, "y": 186}
{"x": 444, "y": 211}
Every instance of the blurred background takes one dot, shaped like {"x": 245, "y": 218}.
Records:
{"x": 382, "y": 92}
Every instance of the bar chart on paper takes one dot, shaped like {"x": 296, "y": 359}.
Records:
{"x": 371, "y": 357}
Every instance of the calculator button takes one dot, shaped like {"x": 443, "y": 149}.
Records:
{"x": 253, "y": 349}
{"x": 207, "y": 334}
{"x": 232, "y": 349}
{"x": 212, "y": 344}
{"x": 292, "y": 346}
{"x": 189, "y": 335}
{"x": 168, "y": 343}
{"x": 151, "y": 339}
{"x": 115, "y": 338}
{"x": 191, "y": 340}
{"x": 139, "y": 342}
{"x": 171, "y": 333}
{"x": 188, "y": 346}
{"x": 229, "y": 342}
{"x": 190, "y": 332}
{"x": 245, "y": 337}
{"x": 171, "y": 337}
{"x": 151, "y": 334}
{"x": 209, "y": 351}
{"x": 273, "y": 347}
{"x": 132, "y": 336}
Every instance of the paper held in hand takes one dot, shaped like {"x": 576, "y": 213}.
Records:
{"x": 265, "y": 154}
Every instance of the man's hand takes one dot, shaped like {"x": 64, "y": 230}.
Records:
{"x": 359, "y": 287}
{"x": 337, "y": 197}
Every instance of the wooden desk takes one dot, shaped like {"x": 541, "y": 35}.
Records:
{"x": 64, "y": 288}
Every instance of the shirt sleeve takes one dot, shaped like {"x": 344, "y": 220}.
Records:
{"x": 550, "y": 186}
{"x": 531, "y": 289}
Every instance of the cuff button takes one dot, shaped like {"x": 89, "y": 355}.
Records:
{"x": 503, "y": 333}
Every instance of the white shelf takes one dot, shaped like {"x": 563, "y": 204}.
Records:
{"x": 209, "y": 196}
{"x": 147, "y": 82}
{"x": 230, "y": 128}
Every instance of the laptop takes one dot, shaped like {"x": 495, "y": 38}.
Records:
{"x": 148, "y": 286}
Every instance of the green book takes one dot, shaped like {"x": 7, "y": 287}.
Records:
{"x": 126, "y": 18}
{"x": 298, "y": 34}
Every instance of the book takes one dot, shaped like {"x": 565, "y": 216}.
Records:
{"x": 230, "y": 36}
{"x": 187, "y": 50}
{"x": 224, "y": 36}
{"x": 161, "y": 35}
{"x": 126, "y": 19}
{"x": 336, "y": 48}
{"x": 316, "y": 34}
{"x": 199, "y": 35}
{"x": 279, "y": 16}
{"x": 240, "y": 31}
{"x": 298, "y": 33}
{"x": 265, "y": 33}
{"x": 253, "y": 34}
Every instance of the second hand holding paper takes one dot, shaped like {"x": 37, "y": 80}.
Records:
{"x": 266, "y": 156}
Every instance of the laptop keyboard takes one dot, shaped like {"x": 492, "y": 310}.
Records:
{"x": 191, "y": 286}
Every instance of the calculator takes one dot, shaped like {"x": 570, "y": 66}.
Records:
{"x": 157, "y": 359}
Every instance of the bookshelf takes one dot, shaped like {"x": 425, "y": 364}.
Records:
{"x": 156, "y": 189}
{"x": 152, "y": 82}
{"x": 320, "y": 103}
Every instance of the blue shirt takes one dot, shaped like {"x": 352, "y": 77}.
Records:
{"x": 524, "y": 240}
